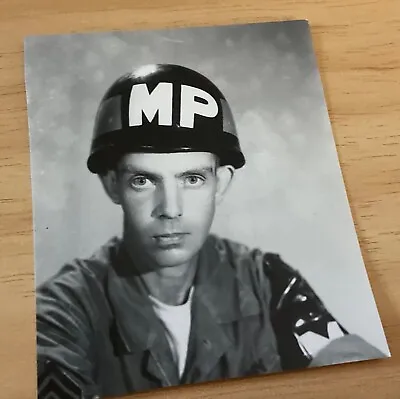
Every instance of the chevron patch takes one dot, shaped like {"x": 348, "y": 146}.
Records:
{"x": 55, "y": 384}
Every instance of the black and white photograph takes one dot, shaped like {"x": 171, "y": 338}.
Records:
{"x": 191, "y": 221}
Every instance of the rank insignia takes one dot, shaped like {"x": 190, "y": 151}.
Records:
{"x": 53, "y": 383}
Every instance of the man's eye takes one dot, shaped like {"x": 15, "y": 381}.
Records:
{"x": 194, "y": 181}
{"x": 140, "y": 182}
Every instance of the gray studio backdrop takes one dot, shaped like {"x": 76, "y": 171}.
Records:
{"x": 288, "y": 199}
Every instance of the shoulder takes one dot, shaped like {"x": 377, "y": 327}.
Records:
{"x": 262, "y": 267}
{"x": 80, "y": 275}
{"x": 242, "y": 255}
{"x": 249, "y": 263}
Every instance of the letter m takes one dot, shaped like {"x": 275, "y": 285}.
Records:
{"x": 158, "y": 101}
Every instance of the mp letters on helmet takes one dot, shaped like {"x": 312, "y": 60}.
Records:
{"x": 160, "y": 100}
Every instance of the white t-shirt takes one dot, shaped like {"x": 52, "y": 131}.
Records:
{"x": 177, "y": 320}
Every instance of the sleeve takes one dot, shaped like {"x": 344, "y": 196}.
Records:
{"x": 64, "y": 353}
{"x": 307, "y": 333}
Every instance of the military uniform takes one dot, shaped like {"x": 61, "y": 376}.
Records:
{"x": 96, "y": 323}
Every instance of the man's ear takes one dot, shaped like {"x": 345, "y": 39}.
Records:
{"x": 225, "y": 175}
{"x": 109, "y": 181}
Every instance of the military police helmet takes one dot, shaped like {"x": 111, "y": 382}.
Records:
{"x": 163, "y": 108}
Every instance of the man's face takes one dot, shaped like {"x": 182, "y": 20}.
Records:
{"x": 168, "y": 202}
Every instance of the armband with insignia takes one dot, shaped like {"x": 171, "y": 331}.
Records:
{"x": 300, "y": 320}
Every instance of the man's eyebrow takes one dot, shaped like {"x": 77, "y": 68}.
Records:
{"x": 138, "y": 171}
{"x": 205, "y": 170}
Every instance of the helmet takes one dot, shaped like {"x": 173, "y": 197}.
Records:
{"x": 163, "y": 108}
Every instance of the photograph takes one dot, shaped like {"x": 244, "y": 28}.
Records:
{"x": 191, "y": 221}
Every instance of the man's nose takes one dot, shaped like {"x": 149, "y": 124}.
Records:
{"x": 169, "y": 204}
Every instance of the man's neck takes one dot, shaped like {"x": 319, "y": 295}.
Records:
{"x": 171, "y": 285}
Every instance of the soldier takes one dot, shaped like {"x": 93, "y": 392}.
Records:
{"x": 169, "y": 303}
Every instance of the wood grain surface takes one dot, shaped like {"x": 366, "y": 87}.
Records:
{"x": 358, "y": 50}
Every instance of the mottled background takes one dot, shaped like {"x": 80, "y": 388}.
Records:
{"x": 289, "y": 198}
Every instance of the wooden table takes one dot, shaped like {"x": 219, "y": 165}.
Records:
{"x": 358, "y": 49}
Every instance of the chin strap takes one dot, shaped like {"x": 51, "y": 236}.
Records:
{"x": 302, "y": 324}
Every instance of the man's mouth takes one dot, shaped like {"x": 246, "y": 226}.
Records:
{"x": 170, "y": 238}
